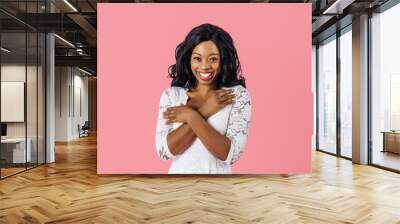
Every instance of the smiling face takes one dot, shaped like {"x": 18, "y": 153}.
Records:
{"x": 205, "y": 62}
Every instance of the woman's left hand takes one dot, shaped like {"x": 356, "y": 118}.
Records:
{"x": 181, "y": 114}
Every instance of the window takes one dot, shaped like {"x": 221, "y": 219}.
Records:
{"x": 385, "y": 88}
{"x": 327, "y": 95}
{"x": 346, "y": 93}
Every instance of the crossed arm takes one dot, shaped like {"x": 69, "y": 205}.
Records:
{"x": 195, "y": 125}
{"x": 171, "y": 142}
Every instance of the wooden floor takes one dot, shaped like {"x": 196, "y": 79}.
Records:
{"x": 5, "y": 172}
{"x": 70, "y": 191}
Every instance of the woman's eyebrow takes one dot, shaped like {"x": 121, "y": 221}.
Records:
{"x": 208, "y": 55}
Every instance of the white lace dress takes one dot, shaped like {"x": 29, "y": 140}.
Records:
{"x": 233, "y": 121}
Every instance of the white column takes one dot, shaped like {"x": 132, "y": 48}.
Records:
{"x": 50, "y": 93}
{"x": 360, "y": 90}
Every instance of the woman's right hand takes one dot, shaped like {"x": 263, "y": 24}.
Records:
{"x": 218, "y": 100}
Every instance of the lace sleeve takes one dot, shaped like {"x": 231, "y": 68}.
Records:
{"x": 164, "y": 129}
{"x": 238, "y": 124}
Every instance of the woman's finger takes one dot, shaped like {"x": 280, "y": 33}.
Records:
{"x": 171, "y": 120}
{"x": 227, "y": 102}
{"x": 166, "y": 113}
{"x": 169, "y": 113}
{"x": 166, "y": 116}
{"x": 227, "y": 97}
{"x": 221, "y": 92}
{"x": 230, "y": 101}
{"x": 221, "y": 96}
{"x": 168, "y": 110}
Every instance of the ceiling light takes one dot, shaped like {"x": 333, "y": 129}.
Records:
{"x": 70, "y": 5}
{"x": 337, "y": 7}
{"x": 64, "y": 40}
{"x": 84, "y": 71}
{"x": 5, "y": 50}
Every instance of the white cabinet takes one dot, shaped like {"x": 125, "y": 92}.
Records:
{"x": 17, "y": 146}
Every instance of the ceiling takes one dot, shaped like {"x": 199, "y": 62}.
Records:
{"x": 76, "y": 22}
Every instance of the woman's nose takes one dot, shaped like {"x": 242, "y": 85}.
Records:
{"x": 205, "y": 65}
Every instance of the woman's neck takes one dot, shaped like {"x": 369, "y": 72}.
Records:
{"x": 203, "y": 90}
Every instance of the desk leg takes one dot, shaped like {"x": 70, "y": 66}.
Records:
{"x": 384, "y": 143}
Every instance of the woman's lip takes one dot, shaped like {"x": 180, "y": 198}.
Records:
{"x": 209, "y": 77}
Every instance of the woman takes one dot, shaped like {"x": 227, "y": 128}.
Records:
{"x": 204, "y": 117}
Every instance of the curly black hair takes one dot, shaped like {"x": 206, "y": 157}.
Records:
{"x": 230, "y": 74}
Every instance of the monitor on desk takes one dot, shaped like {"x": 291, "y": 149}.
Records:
{"x": 3, "y": 130}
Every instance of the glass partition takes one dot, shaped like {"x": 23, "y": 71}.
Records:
{"x": 13, "y": 109}
{"x": 346, "y": 93}
{"x": 32, "y": 95}
{"x": 327, "y": 95}
{"x": 385, "y": 89}
{"x": 22, "y": 77}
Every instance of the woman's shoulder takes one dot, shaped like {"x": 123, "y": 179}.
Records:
{"x": 239, "y": 90}
{"x": 174, "y": 91}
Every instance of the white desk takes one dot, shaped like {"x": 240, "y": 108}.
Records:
{"x": 18, "y": 150}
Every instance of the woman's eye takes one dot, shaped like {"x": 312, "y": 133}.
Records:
{"x": 213, "y": 59}
{"x": 196, "y": 59}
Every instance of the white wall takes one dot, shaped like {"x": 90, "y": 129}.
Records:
{"x": 71, "y": 93}
{"x": 79, "y": 117}
{"x": 12, "y": 73}
{"x": 62, "y": 82}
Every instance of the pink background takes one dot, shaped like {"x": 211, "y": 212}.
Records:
{"x": 136, "y": 45}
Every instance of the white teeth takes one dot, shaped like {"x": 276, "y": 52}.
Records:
{"x": 205, "y": 75}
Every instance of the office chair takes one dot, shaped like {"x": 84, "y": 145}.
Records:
{"x": 84, "y": 130}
